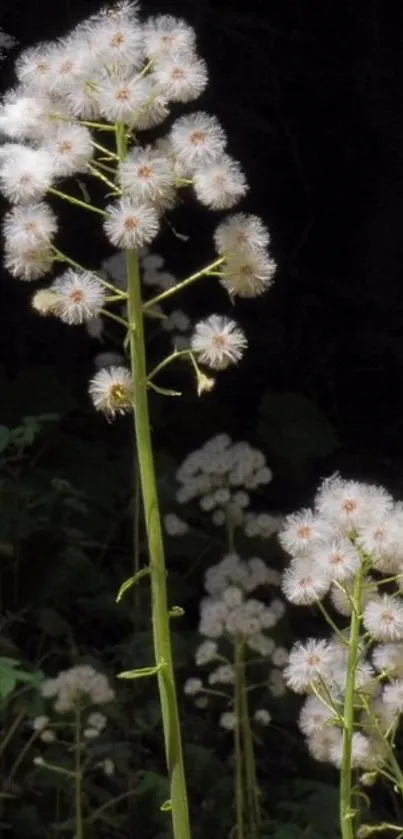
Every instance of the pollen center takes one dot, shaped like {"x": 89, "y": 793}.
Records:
{"x": 349, "y": 505}
{"x": 197, "y": 138}
{"x": 77, "y": 296}
{"x": 119, "y": 394}
{"x": 219, "y": 341}
{"x": 66, "y": 67}
{"x": 123, "y": 94}
{"x": 179, "y": 74}
{"x": 145, "y": 172}
{"x": 304, "y": 532}
{"x": 131, "y": 223}
{"x": 118, "y": 40}
{"x": 65, "y": 146}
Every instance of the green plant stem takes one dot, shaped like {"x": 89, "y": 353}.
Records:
{"x": 252, "y": 790}
{"x": 239, "y": 802}
{"x": 76, "y": 201}
{"x": 78, "y": 778}
{"x": 347, "y": 819}
{"x": 184, "y": 284}
{"x": 159, "y": 606}
{"x": 168, "y": 360}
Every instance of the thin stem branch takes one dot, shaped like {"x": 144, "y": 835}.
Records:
{"x": 78, "y": 778}
{"x": 183, "y": 284}
{"x": 77, "y": 201}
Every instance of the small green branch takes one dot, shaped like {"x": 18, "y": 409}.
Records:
{"x": 77, "y": 202}
{"x": 183, "y": 284}
{"x": 168, "y": 360}
{"x": 62, "y": 257}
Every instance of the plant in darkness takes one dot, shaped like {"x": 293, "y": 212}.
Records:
{"x": 80, "y": 107}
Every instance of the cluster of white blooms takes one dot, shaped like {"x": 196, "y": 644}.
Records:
{"x": 229, "y": 616}
{"x": 7, "y": 42}
{"x": 81, "y": 685}
{"x": 94, "y": 724}
{"x": 354, "y": 532}
{"x": 118, "y": 69}
{"x": 220, "y": 476}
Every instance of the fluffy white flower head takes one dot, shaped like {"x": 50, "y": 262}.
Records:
{"x": 221, "y": 184}
{"x": 241, "y": 232}
{"x": 218, "y": 342}
{"x": 29, "y": 225}
{"x": 181, "y": 78}
{"x": 80, "y": 296}
{"x": 383, "y": 618}
{"x": 130, "y": 224}
{"x": 248, "y": 273}
{"x": 197, "y": 140}
{"x": 25, "y": 173}
{"x": 167, "y": 35}
{"x": 308, "y": 664}
{"x": 111, "y": 391}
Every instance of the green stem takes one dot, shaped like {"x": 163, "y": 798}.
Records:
{"x": 184, "y": 284}
{"x": 76, "y": 201}
{"x": 347, "y": 817}
{"x": 239, "y": 802}
{"x": 78, "y": 778}
{"x": 168, "y": 360}
{"x": 159, "y": 607}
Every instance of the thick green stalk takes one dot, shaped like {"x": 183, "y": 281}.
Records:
{"x": 239, "y": 778}
{"x": 347, "y": 819}
{"x": 144, "y": 461}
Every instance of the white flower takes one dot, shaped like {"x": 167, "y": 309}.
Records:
{"x": 218, "y": 342}
{"x": 39, "y": 723}
{"x": 303, "y": 583}
{"x": 80, "y": 296}
{"x": 228, "y": 720}
{"x": 349, "y": 504}
{"x": 146, "y": 175}
{"x": 30, "y": 263}
{"x": 206, "y": 652}
{"x": 130, "y": 224}
{"x": 153, "y": 111}
{"x": 302, "y": 531}
{"x": 174, "y": 525}
{"x": 47, "y": 736}
{"x": 314, "y": 716}
{"x": 181, "y": 77}
{"x": 96, "y": 720}
{"x": 33, "y": 67}
{"x": 77, "y": 685}
{"x": 22, "y": 115}
{"x": 383, "y": 618}
{"x": 197, "y": 139}
{"x": 108, "y": 767}
{"x": 309, "y": 663}
{"x": 70, "y": 148}
{"x": 82, "y": 101}
{"x": 389, "y": 658}
{"x": 262, "y": 716}
{"x": 25, "y": 173}
{"x": 224, "y": 675}
{"x": 117, "y": 39}
{"x": 122, "y": 99}
{"x": 248, "y": 273}
{"x": 29, "y": 225}
{"x": 221, "y": 184}
{"x": 381, "y": 538}
{"x": 111, "y": 390}
{"x": 193, "y": 686}
{"x": 241, "y": 232}
{"x": 338, "y": 560}
{"x": 91, "y": 733}
{"x": 322, "y": 744}
{"x": 167, "y": 35}
{"x": 392, "y": 697}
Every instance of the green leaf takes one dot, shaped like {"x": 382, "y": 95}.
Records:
{"x": 142, "y": 672}
{"x": 294, "y": 428}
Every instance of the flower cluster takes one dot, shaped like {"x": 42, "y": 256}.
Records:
{"x": 348, "y": 549}
{"x": 79, "y": 686}
{"x": 231, "y": 617}
{"x": 220, "y": 476}
{"x": 116, "y": 69}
